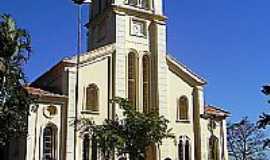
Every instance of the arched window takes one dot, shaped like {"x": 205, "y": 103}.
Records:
{"x": 89, "y": 148}
{"x": 184, "y": 148}
{"x": 94, "y": 149}
{"x": 132, "y": 81}
{"x": 86, "y": 147}
{"x": 213, "y": 148}
{"x": 146, "y": 84}
{"x": 187, "y": 150}
{"x": 49, "y": 142}
{"x": 181, "y": 149}
{"x": 92, "y": 97}
{"x": 182, "y": 111}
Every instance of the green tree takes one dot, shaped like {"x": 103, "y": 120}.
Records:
{"x": 14, "y": 100}
{"x": 131, "y": 135}
{"x": 264, "y": 120}
{"x": 245, "y": 141}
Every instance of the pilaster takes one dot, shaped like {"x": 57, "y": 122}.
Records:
{"x": 120, "y": 58}
{"x": 197, "y": 111}
{"x": 162, "y": 69}
{"x": 71, "y": 115}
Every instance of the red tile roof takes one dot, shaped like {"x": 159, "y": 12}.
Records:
{"x": 215, "y": 111}
{"x": 42, "y": 93}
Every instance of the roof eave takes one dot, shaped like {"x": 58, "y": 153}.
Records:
{"x": 198, "y": 79}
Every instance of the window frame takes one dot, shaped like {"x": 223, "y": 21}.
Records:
{"x": 147, "y": 82}
{"x": 52, "y": 144}
{"x": 94, "y": 149}
{"x": 134, "y": 79}
{"x": 133, "y": 21}
{"x": 92, "y": 109}
{"x": 179, "y": 117}
{"x": 185, "y": 140}
{"x": 86, "y": 147}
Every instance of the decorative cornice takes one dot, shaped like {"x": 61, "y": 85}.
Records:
{"x": 92, "y": 55}
{"x": 71, "y": 62}
{"x": 138, "y": 12}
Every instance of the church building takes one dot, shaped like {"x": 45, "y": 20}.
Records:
{"x": 127, "y": 57}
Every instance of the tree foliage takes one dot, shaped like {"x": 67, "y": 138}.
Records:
{"x": 264, "y": 120}
{"x": 14, "y": 100}
{"x": 130, "y": 135}
{"x": 245, "y": 141}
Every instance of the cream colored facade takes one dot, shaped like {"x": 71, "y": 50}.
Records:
{"x": 117, "y": 28}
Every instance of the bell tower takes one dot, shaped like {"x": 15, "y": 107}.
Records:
{"x": 137, "y": 18}
{"x": 133, "y": 26}
{"x": 137, "y": 26}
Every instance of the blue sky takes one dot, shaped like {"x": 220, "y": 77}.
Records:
{"x": 225, "y": 41}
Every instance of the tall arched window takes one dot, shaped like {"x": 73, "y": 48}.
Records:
{"x": 92, "y": 97}
{"x": 182, "y": 111}
{"x": 184, "y": 148}
{"x": 181, "y": 149}
{"x": 49, "y": 142}
{"x": 187, "y": 150}
{"x": 89, "y": 148}
{"x": 94, "y": 150}
{"x": 132, "y": 82}
{"x": 86, "y": 147}
{"x": 146, "y": 84}
{"x": 213, "y": 148}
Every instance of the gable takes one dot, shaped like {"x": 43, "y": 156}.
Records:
{"x": 52, "y": 79}
{"x": 184, "y": 72}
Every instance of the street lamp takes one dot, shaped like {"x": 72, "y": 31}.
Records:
{"x": 79, "y": 3}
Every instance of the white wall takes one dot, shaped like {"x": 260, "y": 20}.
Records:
{"x": 37, "y": 121}
{"x": 94, "y": 72}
